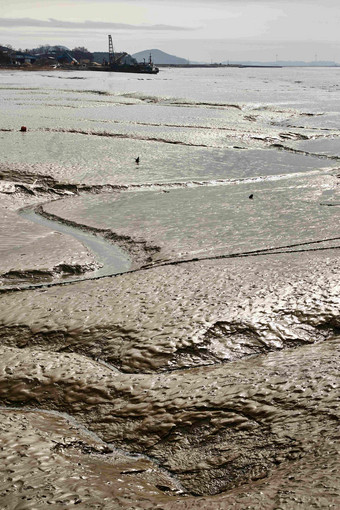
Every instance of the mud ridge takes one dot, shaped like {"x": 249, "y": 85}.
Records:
{"x": 240, "y": 340}
{"x": 126, "y": 136}
{"x": 293, "y": 136}
{"x": 164, "y": 101}
{"x": 35, "y": 183}
{"x": 263, "y": 251}
{"x": 280, "y": 146}
{"x": 184, "y": 126}
{"x": 141, "y": 251}
{"x": 98, "y": 188}
{"x": 284, "y": 136}
{"x": 147, "y": 267}
{"x": 202, "y": 103}
{"x": 10, "y": 174}
{"x": 60, "y": 271}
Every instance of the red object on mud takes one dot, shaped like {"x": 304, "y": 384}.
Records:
{"x": 23, "y": 128}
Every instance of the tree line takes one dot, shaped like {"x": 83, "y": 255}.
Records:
{"x": 78, "y": 53}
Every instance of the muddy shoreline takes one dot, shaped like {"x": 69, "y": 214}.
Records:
{"x": 219, "y": 407}
{"x": 205, "y": 374}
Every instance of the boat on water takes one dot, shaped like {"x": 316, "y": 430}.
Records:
{"x": 138, "y": 67}
{"x": 124, "y": 63}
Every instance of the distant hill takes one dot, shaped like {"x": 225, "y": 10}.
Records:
{"x": 159, "y": 57}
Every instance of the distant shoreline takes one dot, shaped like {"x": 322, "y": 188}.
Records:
{"x": 214, "y": 66}
{"x": 265, "y": 66}
{"x": 174, "y": 66}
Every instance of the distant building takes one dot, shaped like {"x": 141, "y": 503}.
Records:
{"x": 23, "y": 58}
{"x": 6, "y": 55}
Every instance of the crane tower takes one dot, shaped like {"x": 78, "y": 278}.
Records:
{"x": 111, "y": 52}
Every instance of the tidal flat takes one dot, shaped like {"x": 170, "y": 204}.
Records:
{"x": 170, "y": 329}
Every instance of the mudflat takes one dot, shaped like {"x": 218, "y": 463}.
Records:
{"x": 197, "y": 366}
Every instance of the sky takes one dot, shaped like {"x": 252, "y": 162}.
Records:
{"x": 210, "y": 30}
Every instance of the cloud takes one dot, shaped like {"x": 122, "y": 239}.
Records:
{"x": 224, "y": 3}
{"x": 88, "y": 25}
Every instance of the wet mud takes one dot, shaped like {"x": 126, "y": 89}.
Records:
{"x": 24, "y": 256}
{"x": 205, "y": 374}
{"x": 231, "y": 387}
{"x": 265, "y": 407}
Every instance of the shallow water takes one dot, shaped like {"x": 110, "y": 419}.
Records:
{"x": 99, "y": 160}
{"x": 189, "y": 127}
{"x": 218, "y": 219}
{"x": 112, "y": 259}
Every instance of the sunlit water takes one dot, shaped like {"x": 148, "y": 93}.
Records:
{"x": 210, "y": 137}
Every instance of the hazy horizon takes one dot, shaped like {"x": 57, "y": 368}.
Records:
{"x": 243, "y": 30}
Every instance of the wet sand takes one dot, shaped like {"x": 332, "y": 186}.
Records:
{"x": 203, "y": 376}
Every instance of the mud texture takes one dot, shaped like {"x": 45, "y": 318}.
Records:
{"x": 49, "y": 462}
{"x": 165, "y": 318}
{"x": 259, "y": 425}
{"x": 206, "y": 376}
{"x": 32, "y": 253}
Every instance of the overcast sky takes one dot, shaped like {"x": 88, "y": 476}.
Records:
{"x": 198, "y": 30}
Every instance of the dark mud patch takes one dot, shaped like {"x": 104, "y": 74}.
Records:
{"x": 59, "y": 463}
{"x": 222, "y": 457}
{"x": 227, "y": 342}
{"x": 100, "y": 344}
{"x": 83, "y": 447}
{"x": 330, "y": 204}
{"x": 222, "y": 343}
{"x": 206, "y": 104}
{"x": 309, "y": 114}
{"x": 34, "y": 183}
{"x": 293, "y": 136}
{"x": 37, "y": 276}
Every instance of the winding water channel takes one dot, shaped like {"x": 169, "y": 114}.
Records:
{"x": 111, "y": 258}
